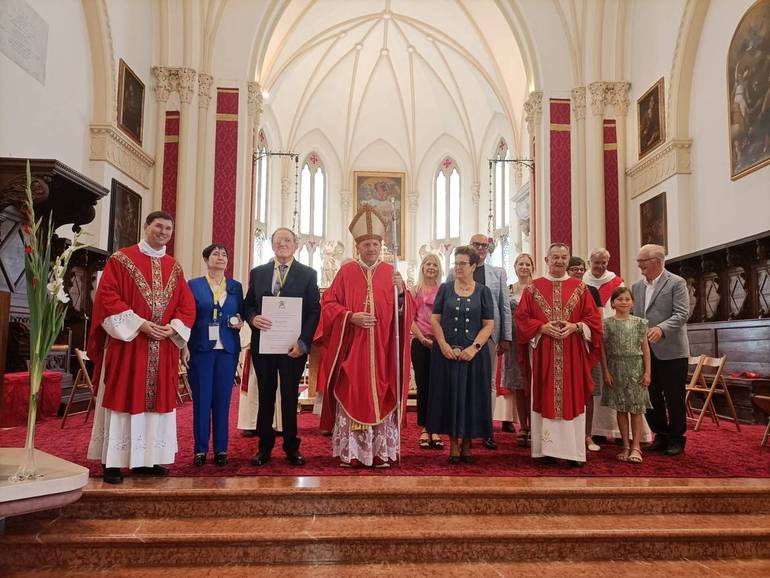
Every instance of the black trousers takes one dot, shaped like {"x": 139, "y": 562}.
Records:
{"x": 267, "y": 369}
{"x": 421, "y": 365}
{"x": 668, "y": 418}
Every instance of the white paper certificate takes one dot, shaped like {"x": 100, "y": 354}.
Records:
{"x": 285, "y": 314}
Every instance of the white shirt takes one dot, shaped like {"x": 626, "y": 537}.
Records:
{"x": 649, "y": 289}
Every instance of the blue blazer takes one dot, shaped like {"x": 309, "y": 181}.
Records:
{"x": 204, "y": 306}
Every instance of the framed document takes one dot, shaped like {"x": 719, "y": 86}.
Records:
{"x": 285, "y": 314}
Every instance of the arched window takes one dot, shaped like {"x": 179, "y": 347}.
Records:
{"x": 446, "y": 195}
{"x": 261, "y": 187}
{"x": 312, "y": 210}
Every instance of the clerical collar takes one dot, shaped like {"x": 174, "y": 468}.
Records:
{"x": 145, "y": 248}
{"x": 365, "y": 266}
{"x": 552, "y": 278}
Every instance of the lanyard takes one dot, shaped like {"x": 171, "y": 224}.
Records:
{"x": 217, "y": 290}
{"x": 281, "y": 278}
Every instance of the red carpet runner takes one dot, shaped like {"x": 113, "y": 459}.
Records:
{"x": 711, "y": 452}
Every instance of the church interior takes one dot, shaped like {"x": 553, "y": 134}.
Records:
{"x": 609, "y": 124}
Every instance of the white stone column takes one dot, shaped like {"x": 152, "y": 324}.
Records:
{"x": 538, "y": 228}
{"x": 410, "y": 249}
{"x": 580, "y": 229}
{"x": 621, "y": 104}
{"x": 184, "y": 244}
{"x": 204, "y": 195}
{"x": 346, "y": 200}
{"x": 245, "y": 239}
{"x": 595, "y": 164}
{"x": 287, "y": 202}
{"x": 476, "y": 197}
{"x": 162, "y": 88}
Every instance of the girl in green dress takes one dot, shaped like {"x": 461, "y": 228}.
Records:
{"x": 626, "y": 367}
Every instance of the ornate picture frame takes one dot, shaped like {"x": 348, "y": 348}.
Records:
{"x": 651, "y": 118}
{"x": 653, "y": 226}
{"x": 130, "y": 103}
{"x": 125, "y": 217}
{"x": 377, "y": 189}
{"x": 748, "y": 87}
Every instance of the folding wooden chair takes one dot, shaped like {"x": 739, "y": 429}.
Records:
{"x": 693, "y": 385}
{"x": 183, "y": 387}
{"x": 718, "y": 386}
{"x": 82, "y": 382}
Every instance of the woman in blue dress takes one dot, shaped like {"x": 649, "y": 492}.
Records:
{"x": 459, "y": 404}
{"x": 212, "y": 353}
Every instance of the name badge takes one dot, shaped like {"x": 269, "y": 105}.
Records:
{"x": 213, "y": 332}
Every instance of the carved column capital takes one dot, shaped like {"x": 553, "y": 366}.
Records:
{"x": 620, "y": 100}
{"x": 186, "y": 84}
{"x": 598, "y": 92}
{"x": 414, "y": 201}
{"x": 476, "y": 194}
{"x": 163, "y": 85}
{"x": 533, "y": 110}
{"x": 204, "y": 90}
{"x": 579, "y": 102}
{"x": 255, "y": 100}
{"x": 347, "y": 200}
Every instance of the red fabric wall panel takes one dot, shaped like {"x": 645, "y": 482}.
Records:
{"x": 170, "y": 167}
{"x": 561, "y": 172}
{"x": 611, "y": 200}
{"x": 225, "y": 171}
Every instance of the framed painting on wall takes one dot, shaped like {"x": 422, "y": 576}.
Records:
{"x": 125, "y": 217}
{"x": 652, "y": 222}
{"x": 384, "y": 192}
{"x": 748, "y": 91}
{"x": 651, "y": 114}
{"x": 130, "y": 102}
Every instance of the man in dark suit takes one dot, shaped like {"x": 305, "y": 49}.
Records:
{"x": 662, "y": 298}
{"x": 282, "y": 276}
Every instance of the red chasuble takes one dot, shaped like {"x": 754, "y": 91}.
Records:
{"x": 358, "y": 367}
{"x": 140, "y": 375}
{"x": 560, "y": 369}
{"x": 605, "y": 291}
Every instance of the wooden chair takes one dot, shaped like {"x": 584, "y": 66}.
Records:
{"x": 183, "y": 387}
{"x": 82, "y": 382}
{"x": 718, "y": 386}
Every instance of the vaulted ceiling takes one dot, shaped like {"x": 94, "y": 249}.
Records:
{"x": 409, "y": 73}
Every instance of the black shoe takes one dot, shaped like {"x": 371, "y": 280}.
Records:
{"x": 155, "y": 470}
{"x": 260, "y": 459}
{"x": 467, "y": 459}
{"x": 295, "y": 459}
{"x": 249, "y": 433}
{"x": 545, "y": 460}
{"x": 575, "y": 463}
{"x": 112, "y": 476}
{"x": 489, "y": 443}
{"x": 454, "y": 460}
{"x": 508, "y": 427}
{"x": 221, "y": 459}
{"x": 660, "y": 444}
{"x": 675, "y": 447}
{"x": 199, "y": 459}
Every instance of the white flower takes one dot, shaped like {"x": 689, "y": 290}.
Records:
{"x": 56, "y": 288}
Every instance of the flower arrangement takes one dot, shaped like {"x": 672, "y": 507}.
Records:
{"x": 47, "y": 306}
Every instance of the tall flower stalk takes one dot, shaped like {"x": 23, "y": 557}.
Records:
{"x": 47, "y": 307}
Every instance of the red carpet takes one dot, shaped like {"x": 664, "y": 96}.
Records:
{"x": 711, "y": 452}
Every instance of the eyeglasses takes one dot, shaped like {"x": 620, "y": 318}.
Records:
{"x": 462, "y": 264}
{"x": 576, "y": 269}
{"x": 640, "y": 261}
{"x": 480, "y": 245}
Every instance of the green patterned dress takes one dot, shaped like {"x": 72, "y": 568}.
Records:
{"x": 623, "y": 348}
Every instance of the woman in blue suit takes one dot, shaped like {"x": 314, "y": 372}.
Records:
{"x": 212, "y": 352}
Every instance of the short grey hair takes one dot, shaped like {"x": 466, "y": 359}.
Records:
{"x": 554, "y": 245}
{"x": 293, "y": 234}
{"x": 656, "y": 251}
{"x": 600, "y": 251}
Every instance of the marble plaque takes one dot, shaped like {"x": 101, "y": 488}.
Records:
{"x": 24, "y": 37}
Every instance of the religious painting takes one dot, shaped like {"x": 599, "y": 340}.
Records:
{"x": 651, "y": 113}
{"x": 125, "y": 217}
{"x": 384, "y": 192}
{"x": 130, "y": 103}
{"x": 653, "y": 226}
{"x": 748, "y": 91}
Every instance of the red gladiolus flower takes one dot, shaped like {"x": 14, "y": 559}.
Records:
{"x": 28, "y": 249}
{"x": 34, "y": 281}
{"x": 27, "y": 229}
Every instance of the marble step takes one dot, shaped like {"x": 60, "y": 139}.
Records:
{"x": 308, "y": 496}
{"x": 83, "y": 543}
{"x": 751, "y": 568}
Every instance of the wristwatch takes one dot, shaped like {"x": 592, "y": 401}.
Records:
{"x": 477, "y": 345}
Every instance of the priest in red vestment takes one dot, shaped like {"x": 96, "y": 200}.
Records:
{"x": 358, "y": 374}
{"x": 142, "y": 315}
{"x": 559, "y": 333}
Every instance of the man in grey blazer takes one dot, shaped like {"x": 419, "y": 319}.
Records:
{"x": 496, "y": 279}
{"x": 661, "y": 297}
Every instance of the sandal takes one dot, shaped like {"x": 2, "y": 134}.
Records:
{"x": 425, "y": 440}
{"x": 635, "y": 457}
{"x": 436, "y": 442}
{"x": 623, "y": 456}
